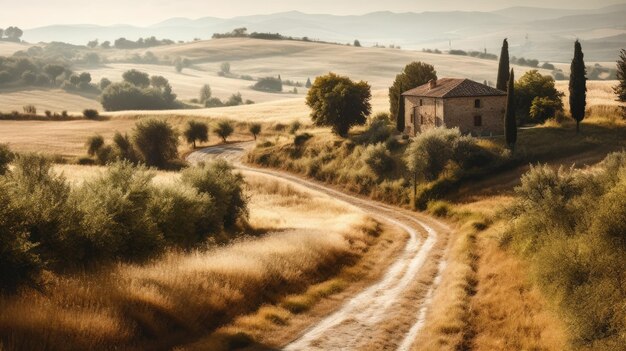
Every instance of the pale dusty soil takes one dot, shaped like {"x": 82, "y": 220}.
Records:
{"x": 399, "y": 298}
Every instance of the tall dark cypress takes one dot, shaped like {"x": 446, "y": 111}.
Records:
{"x": 400, "y": 114}
{"x": 503, "y": 67}
{"x": 510, "y": 123}
{"x": 620, "y": 88}
{"x": 578, "y": 86}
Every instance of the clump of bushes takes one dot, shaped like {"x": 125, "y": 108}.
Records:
{"x": 154, "y": 143}
{"x": 376, "y": 163}
{"x": 138, "y": 91}
{"x": 439, "y": 158}
{"x": 270, "y": 84}
{"x": 47, "y": 224}
{"x": 91, "y": 113}
{"x": 30, "y": 113}
{"x": 81, "y": 82}
{"x": 570, "y": 224}
{"x": 233, "y": 100}
{"x": 379, "y": 130}
{"x": 378, "y": 158}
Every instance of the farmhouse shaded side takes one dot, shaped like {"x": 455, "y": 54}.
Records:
{"x": 473, "y": 107}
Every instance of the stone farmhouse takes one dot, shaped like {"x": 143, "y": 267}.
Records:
{"x": 473, "y": 107}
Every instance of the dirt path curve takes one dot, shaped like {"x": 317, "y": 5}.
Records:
{"x": 357, "y": 324}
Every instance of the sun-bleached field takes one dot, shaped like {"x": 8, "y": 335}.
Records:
{"x": 8, "y": 48}
{"x": 55, "y": 100}
{"x": 187, "y": 83}
{"x": 67, "y": 138}
{"x": 598, "y": 93}
{"x": 293, "y": 60}
{"x": 311, "y": 236}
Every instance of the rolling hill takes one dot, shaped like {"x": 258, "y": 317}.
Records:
{"x": 534, "y": 32}
{"x": 292, "y": 60}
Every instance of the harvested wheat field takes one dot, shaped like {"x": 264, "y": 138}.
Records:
{"x": 180, "y": 296}
{"x": 54, "y": 100}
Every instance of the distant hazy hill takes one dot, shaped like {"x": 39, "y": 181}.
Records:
{"x": 545, "y": 34}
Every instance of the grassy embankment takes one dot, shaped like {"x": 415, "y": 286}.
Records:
{"x": 490, "y": 297}
{"x": 503, "y": 292}
{"x": 181, "y": 296}
{"x": 348, "y": 162}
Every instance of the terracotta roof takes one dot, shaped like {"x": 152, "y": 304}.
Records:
{"x": 454, "y": 87}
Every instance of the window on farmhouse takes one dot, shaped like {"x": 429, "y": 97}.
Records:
{"x": 421, "y": 119}
{"x": 477, "y": 103}
{"x": 421, "y": 102}
{"x": 478, "y": 121}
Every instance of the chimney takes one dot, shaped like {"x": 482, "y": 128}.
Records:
{"x": 432, "y": 83}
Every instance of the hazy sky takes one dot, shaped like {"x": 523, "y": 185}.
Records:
{"x": 35, "y": 13}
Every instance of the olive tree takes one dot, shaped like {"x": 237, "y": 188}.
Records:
{"x": 156, "y": 141}
{"x": 224, "y": 129}
{"x": 196, "y": 131}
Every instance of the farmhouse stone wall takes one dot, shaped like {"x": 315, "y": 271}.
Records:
{"x": 419, "y": 118}
{"x": 455, "y": 112}
{"x": 461, "y": 112}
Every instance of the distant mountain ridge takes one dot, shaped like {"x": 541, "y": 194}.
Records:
{"x": 533, "y": 32}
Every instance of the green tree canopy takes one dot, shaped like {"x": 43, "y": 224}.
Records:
{"x": 255, "y": 129}
{"x": 338, "y": 102}
{"x": 157, "y": 142}
{"x": 414, "y": 74}
{"x": 137, "y": 78}
{"x": 224, "y": 129}
{"x": 53, "y": 71}
{"x": 196, "y": 131}
{"x": 269, "y": 84}
{"x": 159, "y": 82}
{"x": 532, "y": 85}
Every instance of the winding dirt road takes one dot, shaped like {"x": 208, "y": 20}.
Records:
{"x": 389, "y": 314}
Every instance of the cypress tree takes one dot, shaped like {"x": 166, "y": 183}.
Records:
{"x": 503, "y": 67}
{"x": 510, "y": 124}
{"x": 400, "y": 114}
{"x": 577, "y": 86}
{"x": 620, "y": 88}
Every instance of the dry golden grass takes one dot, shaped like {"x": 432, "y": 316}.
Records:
{"x": 8, "y": 48}
{"x": 486, "y": 300}
{"x": 276, "y": 111}
{"x": 598, "y": 93}
{"x": 67, "y": 138}
{"x": 510, "y": 313}
{"x": 274, "y": 325}
{"x": 55, "y": 100}
{"x": 182, "y": 296}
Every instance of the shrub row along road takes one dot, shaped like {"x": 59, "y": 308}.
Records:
{"x": 390, "y": 313}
